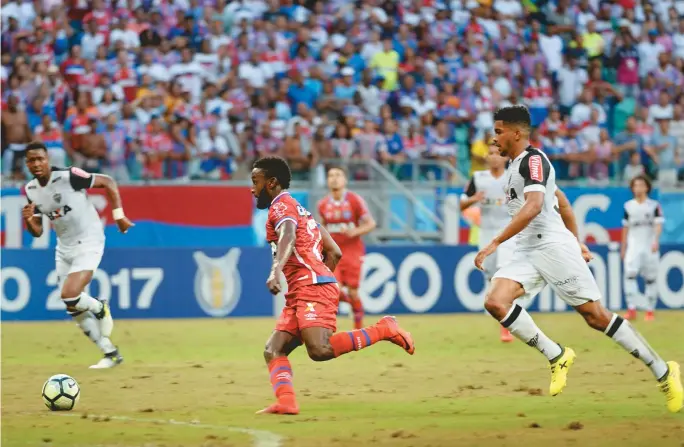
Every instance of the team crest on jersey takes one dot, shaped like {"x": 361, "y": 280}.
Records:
{"x": 346, "y": 214}
{"x": 217, "y": 282}
{"x": 57, "y": 198}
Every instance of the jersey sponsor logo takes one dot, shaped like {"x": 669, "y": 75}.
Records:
{"x": 217, "y": 282}
{"x": 340, "y": 227}
{"x": 80, "y": 172}
{"x": 58, "y": 213}
{"x": 536, "y": 169}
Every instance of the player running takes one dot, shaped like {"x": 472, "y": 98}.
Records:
{"x": 306, "y": 255}
{"x": 548, "y": 253}
{"x": 641, "y": 228}
{"x": 60, "y": 194}
{"x": 486, "y": 189}
{"x": 346, "y": 217}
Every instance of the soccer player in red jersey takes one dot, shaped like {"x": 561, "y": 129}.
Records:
{"x": 306, "y": 256}
{"x": 345, "y": 215}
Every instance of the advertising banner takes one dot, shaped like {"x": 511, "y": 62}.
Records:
{"x": 230, "y": 282}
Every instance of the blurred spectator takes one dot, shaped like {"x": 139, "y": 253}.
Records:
{"x": 201, "y": 88}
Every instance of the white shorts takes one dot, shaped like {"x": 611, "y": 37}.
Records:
{"x": 560, "y": 266}
{"x": 641, "y": 262}
{"x": 85, "y": 256}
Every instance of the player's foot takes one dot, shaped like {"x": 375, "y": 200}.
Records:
{"x": 278, "y": 408}
{"x": 650, "y": 316}
{"x": 559, "y": 371}
{"x": 631, "y": 314}
{"x": 671, "y": 385}
{"x": 506, "y": 335}
{"x": 105, "y": 320}
{"x": 109, "y": 361}
{"x": 396, "y": 334}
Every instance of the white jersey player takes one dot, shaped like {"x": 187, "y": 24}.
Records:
{"x": 641, "y": 227}
{"x": 486, "y": 190}
{"x": 60, "y": 194}
{"x": 548, "y": 253}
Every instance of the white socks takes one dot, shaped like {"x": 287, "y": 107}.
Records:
{"x": 651, "y": 294}
{"x": 631, "y": 291}
{"x": 626, "y": 336}
{"x": 84, "y": 302}
{"x": 90, "y": 326}
{"x": 520, "y": 323}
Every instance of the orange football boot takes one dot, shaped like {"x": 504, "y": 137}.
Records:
{"x": 396, "y": 334}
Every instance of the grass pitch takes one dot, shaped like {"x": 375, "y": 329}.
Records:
{"x": 461, "y": 388}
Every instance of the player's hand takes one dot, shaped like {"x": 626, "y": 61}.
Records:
{"x": 124, "y": 224}
{"x": 655, "y": 247}
{"x": 586, "y": 254}
{"x": 28, "y": 211}
{"x": 479, "y": 196}
{"x": 351, "y": 232}
{"x": 482, "y": 254}
{"x": 273, "y": 281}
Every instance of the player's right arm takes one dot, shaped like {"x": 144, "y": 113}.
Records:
{"x": 287, "y": 235}
{"x": 625, "y": 233}
{"x": 331, "y": 251}
{"x": 33, "y": 219}
{"x": 80, "y": 179}
{"x": 471, "y": 195}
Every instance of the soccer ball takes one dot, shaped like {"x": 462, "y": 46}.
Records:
{"x": 61, "y": 393}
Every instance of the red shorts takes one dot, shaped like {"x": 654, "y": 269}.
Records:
{"x": 348, "y": 271}
{"x": 310, "y": 306}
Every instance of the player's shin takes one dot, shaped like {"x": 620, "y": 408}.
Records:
{"x": 280, "y": 372}
{"x": 651, "y": 294}
{"x": 521, "y": 325}
{"x": 631, "y": 291}
{"x": 626, "y": 336}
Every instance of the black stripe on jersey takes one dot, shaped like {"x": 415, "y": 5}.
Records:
{"x": 78, "y": 182}
{"x": 658, "y": 212}
{"x": 471, "y": 189}
{"x": 535, "y": 167}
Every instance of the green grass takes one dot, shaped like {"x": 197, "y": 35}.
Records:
{"x": 461, "y": 388}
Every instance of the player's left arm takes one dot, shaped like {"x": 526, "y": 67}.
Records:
{"x": 657, "y": 228}
{"x": 81, "y": 179}
{"x": 568, "y": 216}
{"x": 366, "y": 221}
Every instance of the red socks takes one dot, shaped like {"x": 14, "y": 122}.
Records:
{"x": 357, "y": 309}
{"x": 281, "y": 379}
{"x": 344, "y": 342}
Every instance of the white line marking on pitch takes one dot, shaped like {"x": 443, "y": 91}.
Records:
{"x": 262, "y": 438}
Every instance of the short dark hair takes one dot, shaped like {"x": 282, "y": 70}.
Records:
{"x": 274, "y": 166}
{"x": 517, "y": 114}
{"x": 36, "y": 146}
{"x": 645, "y": 179}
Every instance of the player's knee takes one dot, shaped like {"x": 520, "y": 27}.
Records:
{"x": 270, "y": 352}
{"x": 320, "y": 353}
{"x": 598, "y": 319}
{"x": 495, "y": 305}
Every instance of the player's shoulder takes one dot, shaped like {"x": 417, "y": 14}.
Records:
{"x": 532, "y": 153}
{"x": 482, "y": 175}
{"x": 631, "y": 203}
{"x": 354, "y": 197}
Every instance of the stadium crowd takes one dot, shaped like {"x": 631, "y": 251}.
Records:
{"x": 185, "y": 89}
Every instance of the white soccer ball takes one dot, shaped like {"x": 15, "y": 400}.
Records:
{"x": 61, "y": 393}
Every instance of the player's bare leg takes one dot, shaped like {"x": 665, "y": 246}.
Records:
{"x": 357, "y": 306}
{"x": 622, "y": 332}
{"x": 504, "y": 334}
{"x": 92, "y": 316}
{"x": 279, "y": 345}
{"x": 322, "y": 344}
{"x": 500, "y": 304}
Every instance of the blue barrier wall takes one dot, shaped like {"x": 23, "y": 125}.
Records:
{"x": 187, "y": 283}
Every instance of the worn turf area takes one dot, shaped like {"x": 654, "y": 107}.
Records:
{"x": 461, "y": 388}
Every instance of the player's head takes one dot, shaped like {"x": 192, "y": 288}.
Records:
{"x": 494, "y": 159}
{"x": 270, "y": 175}
{"x": 512, "y": 127}
{"x": 37, "y": 160}
{"x": 640, "y": 186}
{"x": 337, "y": 178}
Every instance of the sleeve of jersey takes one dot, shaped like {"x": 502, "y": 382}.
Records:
{"x": 320, "y": 213}
{"x": 281, "y": 213}
{"x": 535, "y": 169}
{"x": 470, "y": 189}
{"x": 80, "y": 179}
{"x": 659, "y": 217}
{"x": 361, "y": 208}
{"x": 36, "y": 210}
